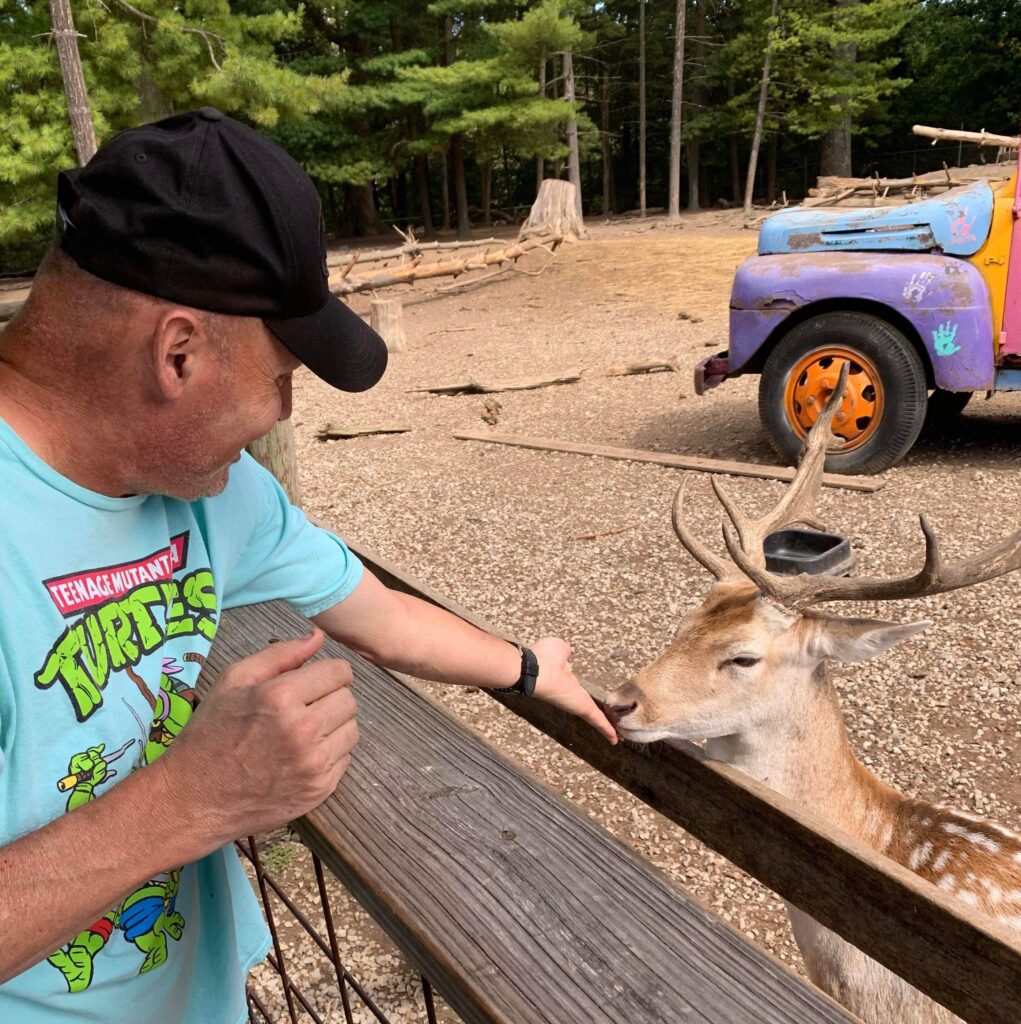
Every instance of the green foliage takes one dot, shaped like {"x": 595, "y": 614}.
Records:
{"x": 137, "y": 67}
{"x": 368, "y": 93}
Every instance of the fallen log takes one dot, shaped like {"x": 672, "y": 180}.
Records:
{"x": 335, "y": 432}
{"x": 416, "y": 271}
{"x": 697, "y": 463}
{"x": 982, "y": 138}
{"x": 410, "y": 248}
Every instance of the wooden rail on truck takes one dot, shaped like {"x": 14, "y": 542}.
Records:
{"x": 517, "y": 907}
{"x": 961, "y": 958}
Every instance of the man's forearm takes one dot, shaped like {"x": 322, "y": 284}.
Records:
{"x": 60, "y": 879}
{"x": 410, "y": 635}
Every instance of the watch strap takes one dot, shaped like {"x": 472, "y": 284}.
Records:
{"x": 529, "y": 673}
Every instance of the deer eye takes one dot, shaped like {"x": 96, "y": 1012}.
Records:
{"x": 745, "y": 661}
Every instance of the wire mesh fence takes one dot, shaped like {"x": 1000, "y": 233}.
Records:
{"x": 307, "y": 976}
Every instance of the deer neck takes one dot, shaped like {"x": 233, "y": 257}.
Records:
{"x": 802, "y": 751}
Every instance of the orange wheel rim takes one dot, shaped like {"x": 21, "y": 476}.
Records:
{"x": 811, "y": 383}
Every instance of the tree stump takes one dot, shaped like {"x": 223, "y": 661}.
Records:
{"x": 555, "y": 211}
{"x": 275, "y": 451}
{"x": 387, "y": 320}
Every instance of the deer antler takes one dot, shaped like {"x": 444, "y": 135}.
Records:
{"x": 744, "y": 540}
{"x": 798, "y": 500}
{"x": 792, "y": 508}
{"x": 719, "y": 567}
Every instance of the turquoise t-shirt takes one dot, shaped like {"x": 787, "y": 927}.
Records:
{"x": 108, "y": 607}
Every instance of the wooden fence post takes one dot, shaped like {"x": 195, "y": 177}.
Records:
{"x": 387, "y": 320}
{"x": 275, "y": 451}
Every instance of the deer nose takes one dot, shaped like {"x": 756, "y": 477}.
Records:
{"x": 616, "y": 712}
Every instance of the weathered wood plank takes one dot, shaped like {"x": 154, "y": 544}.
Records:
{"x": 701, "y": 465}
{"x": 961, "y": 958}
{"x": 517, "y": 907}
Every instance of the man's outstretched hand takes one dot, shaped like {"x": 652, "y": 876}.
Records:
{"x": 558, "y": 686}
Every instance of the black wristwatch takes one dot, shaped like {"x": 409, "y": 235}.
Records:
{"x": 529, "y": 674}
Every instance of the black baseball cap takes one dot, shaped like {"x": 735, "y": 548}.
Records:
{"x": 202, "y": 210}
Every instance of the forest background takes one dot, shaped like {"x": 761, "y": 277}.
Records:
{"x": 447, "y": 114}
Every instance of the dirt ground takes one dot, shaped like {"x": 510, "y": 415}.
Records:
{"x": 500, "y": 530}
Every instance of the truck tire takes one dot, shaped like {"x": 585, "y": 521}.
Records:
{"x": 884, "y": 406}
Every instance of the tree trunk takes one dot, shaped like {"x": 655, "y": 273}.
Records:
{"x": 421, "y": 169}
{"x": 386, "y": 316}
{"x": 487, "y": 191}
{"x": 771, "y": 169}
{"x": 641, "y": 108}
{"x": 697, "y": 94}
{"x": 676, "y": 113}
{"x": 760, "y": 114}
{"x": 607, "y": 147}
{"x": 540, "y": 162}
{"x": 363, "y": 209}
{"x": 554, "y": 212}
{"x": 460, "y": 185}
{"x": 445, "y": 190}
{"x": 78, "y": 110}
{"x": 573, "y": 163}
{"x": 735, "y": 172}
{"x": 835, "y": 151}
{"x": 558, "y": 164}
{"x": 331, "y": 205}
{"x": 692, "y": 149}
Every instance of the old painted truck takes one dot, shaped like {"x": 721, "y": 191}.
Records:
{"x": 923, "y": 301}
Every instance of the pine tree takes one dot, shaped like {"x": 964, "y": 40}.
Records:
{"x": 140, "y": 61}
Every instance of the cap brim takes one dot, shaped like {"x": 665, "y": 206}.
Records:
{"x": 335, "y": 344}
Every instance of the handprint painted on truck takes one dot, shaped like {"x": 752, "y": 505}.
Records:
{"x": 943, "y": 338}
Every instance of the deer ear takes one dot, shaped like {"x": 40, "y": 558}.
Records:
{"x": 858, "y": 639}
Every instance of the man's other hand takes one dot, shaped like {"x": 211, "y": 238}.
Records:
{"x": 269, "y": 743}
{"x": 557, "y": 685}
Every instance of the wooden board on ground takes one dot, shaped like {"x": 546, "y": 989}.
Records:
{"x": 959, "y": 957}
{"x": 517, "y": 907}
{"x": 697, "y": 463}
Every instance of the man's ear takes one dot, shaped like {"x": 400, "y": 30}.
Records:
{"x": 856, "y": 639}
{"x": 179, "y": 344}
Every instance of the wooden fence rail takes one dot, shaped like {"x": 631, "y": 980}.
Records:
{"x": 962, "y": 959}
{"x": 517, "y": 907}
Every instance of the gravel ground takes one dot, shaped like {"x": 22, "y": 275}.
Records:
{"x": 498, "y": 530}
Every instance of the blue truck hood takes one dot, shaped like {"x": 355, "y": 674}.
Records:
{"x": 955, "y": 223}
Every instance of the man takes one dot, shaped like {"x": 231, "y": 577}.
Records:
{"x": 188, "y": 284}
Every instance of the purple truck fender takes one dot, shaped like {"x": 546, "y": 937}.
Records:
{"x": 945, "y": 299}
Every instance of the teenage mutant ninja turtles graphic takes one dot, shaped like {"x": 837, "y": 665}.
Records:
{"x": 148, "y": 916}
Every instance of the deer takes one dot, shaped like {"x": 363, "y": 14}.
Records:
{"x": 748, "y": 672}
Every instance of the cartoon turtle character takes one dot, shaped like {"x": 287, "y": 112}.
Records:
{"x": 146, "y": 918}
{"x": 148, "y": 915}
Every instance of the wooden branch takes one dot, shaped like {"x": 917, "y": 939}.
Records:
{"x": 473, "y": 387}
{"x": 959, "y": 957}
{"x": 207, "y": 36}
{"x": 982, "y": 138}
{"x": 605, "y": 533}
{"x": 337, "y": 432}
{"x": 646, "y": 366}
{"x": 867, "y": 485}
